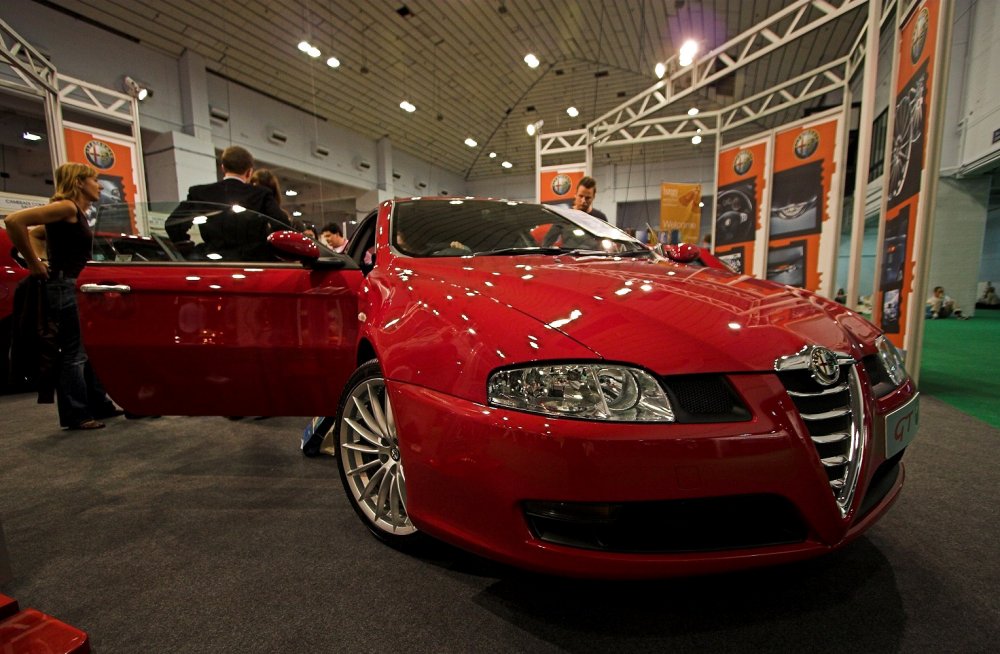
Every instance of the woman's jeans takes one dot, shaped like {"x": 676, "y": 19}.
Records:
{"x": 79, "y": 395}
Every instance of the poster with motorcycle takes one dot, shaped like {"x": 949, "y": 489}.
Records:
{"x": 739, "y": 203}
{"x": 906, "y": 158}
{"x": 802, "y": 236}
{"x": 115, "y": 161}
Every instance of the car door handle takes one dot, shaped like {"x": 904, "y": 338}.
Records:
{"x": 106, "y": 288}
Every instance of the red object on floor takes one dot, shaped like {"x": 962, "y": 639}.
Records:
{"x": 32, "y": 632}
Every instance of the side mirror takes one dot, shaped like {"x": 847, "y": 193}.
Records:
{"x": 294, "y": 245}
{"x": 681, "y": 252}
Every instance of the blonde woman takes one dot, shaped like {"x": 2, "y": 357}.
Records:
{"x": 81, "y": 398}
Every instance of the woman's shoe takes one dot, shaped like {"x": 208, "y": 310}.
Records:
{"x": 87, "y": 424}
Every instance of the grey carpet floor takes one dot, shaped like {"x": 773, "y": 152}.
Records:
{"x": 207, "y": 535}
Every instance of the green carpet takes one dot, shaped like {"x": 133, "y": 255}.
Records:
{"x": 961, "y": 364}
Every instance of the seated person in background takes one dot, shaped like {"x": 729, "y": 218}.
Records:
{"x": 841, "y": 296}
{"x": 941, "y": 305}
{"x": 989, "y": 298}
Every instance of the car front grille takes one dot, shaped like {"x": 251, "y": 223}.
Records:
{"x": 834, "y": 416}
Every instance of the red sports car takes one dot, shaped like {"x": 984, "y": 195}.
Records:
{"x": 585, "y": 408}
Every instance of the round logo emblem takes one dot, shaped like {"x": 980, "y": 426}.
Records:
{"x": 824, "y": 367}
{"x": 743, "y": 161}
{"x": 919, "y": 38}
{"x": 806, "y": 143}
{"x": 99, "y": 154}
{"x": 561, "y": 184}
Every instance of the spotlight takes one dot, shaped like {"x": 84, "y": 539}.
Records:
{"x": 493, "y": 155}
{"x": 333, "y": 62}
{"x": 693, "y": 111}
{"x": 688, "y": 51}
{"x": 531, "y": 60}
{"x": 471, "y": 142}
{"x": 534, "y": 127}
{"x": 296, "y": 214}
{"x": 507, "y": 164}
{"x": 696, "y": 139}
{"x": 573, "y": 112}
{"x": 407, "y": 106}
{"x": 135, "y": 89}
{"x": 660, "y": 70}
{"x": 304, "y": 46}
{"x": 31, "y": 136}
{"x": 291, "y": 192}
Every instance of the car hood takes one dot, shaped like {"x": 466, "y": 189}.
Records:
{"x": 672, "y": 318}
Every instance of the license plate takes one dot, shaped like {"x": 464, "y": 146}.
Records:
{"x": 901, "y": 426}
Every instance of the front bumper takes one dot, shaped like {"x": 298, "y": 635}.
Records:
{"x": 472, "y": 471}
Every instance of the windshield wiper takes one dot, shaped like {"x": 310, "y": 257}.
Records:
{"x": 521, "y": 250}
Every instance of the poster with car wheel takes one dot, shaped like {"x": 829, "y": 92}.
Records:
{"x": 739, "y": 203}
{"x": 802, "y": 236}
{"x": 906, "y": 155}
{"x": 114, "y": 158}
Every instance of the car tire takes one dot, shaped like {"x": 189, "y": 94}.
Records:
{"x": 369, "y": 460}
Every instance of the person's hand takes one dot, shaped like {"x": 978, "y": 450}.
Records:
{"x": 38, "y": 268}
{"x": 458, "y": 245}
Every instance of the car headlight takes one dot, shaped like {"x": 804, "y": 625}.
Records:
{"x": 892, "y": 361}
{"x": 586, "y": 391}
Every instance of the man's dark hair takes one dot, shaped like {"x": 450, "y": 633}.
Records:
{"x": 588, "y": 182}
{"x": 333, "y": 228}
{"x": 236, "y": 160}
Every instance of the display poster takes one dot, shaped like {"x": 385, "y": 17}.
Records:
{"x": 11, "y": 202}
{"x": 558, "y": 185}
{"x": 680, "y": 212}
{"x": 740, "y": 203}
{"x": 800, "y": 206}
{"x": 114, "y": 159}
{"x": 902, "y": 185}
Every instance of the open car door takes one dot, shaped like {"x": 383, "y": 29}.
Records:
{"x": 194, "y": 324}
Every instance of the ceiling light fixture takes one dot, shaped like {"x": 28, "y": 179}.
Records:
{"x": 660, "y": 70}
{"x": 296, "y": 213}
{"x": 687, "y": 53}
{"x": 333, "y": 62}
{"x": 693, "y": 111}
{"x": 534, "y": 127}
{"x": 314, "y": 52}
{"x": 507, "y": 164}
{"x": 407, "y": 106}
{"x": 493, "y": 155}
{"x": 696, "y": 139}
{"x": 531, "y": 60}
{"x": 31, "y": 136}
{"x": 471, "y": 142}
{"x": 573, "y": 112}
{"x": 304, "y": 46}
{"x": 291, "y": 192}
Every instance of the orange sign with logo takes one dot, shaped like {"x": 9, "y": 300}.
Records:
{"x": 113, "y": 160}
{"x": 739, "y": 203}
{"x": 803, "y": 170}
{"x": 559, "y": 186}
{"x": 905, "y": 166}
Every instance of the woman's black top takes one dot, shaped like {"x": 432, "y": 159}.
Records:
{"x": 69, "y": 245}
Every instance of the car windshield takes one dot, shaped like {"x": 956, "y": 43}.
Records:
{"x": 182, "y": 231}
{"x": 455, "y": 228}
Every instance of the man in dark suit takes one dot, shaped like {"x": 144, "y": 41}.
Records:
{"x": 223, "y": 212}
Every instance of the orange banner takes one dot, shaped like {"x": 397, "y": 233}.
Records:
{"x": 680, "y": 212}
{"x": 113, "y": 161}
{"x": 559, "y": 186}
{"x": 739, "y": 204}
{"x": 917, "y": 44}
{"x": 800, "y": 190}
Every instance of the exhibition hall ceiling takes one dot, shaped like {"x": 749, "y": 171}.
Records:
{"x": 461, "y": 63}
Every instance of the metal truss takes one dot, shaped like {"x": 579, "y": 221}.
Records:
{"x": 99, "y": 100}
{"x": 664, "y": 129}
{"x": 29, "y": 71}
{"x": 778, "y": 30}
{"x": 816, "y": 83}
{"x": 562, "y": 142}
{"x": 857, "y": 55}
